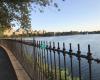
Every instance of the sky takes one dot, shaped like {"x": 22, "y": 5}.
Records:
{"x": 75, "y": 15}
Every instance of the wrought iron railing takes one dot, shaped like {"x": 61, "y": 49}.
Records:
{"x": 47, "y": 61}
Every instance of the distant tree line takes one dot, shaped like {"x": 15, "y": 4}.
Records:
{"x": 47, "y": 34}
{"x": 64, "y": 33}
{"x": 69, "y": 33}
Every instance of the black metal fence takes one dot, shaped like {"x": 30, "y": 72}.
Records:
{"x": 47, "y": 61}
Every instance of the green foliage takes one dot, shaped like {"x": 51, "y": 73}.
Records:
{"x": 1, "y": 31}
{"x": 18, "y": 11}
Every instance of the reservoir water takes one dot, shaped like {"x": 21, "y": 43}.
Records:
{"x": 83, "y": 40}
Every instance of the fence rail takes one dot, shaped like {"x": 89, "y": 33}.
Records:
{"x": 45, "y": 61}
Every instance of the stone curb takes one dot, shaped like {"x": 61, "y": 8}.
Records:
{"x": 19, "y": 70}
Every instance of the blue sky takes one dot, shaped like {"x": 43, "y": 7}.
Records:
{"x": 77, "y": 15}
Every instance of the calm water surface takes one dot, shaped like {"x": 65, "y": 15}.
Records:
{"x": 83, "y": 40}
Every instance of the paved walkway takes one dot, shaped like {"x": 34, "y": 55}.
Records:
{"x": 6, "y": 70}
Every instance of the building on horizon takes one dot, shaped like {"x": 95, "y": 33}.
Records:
{"x": 20, "y": 31}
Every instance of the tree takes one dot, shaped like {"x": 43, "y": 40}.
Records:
{"x": 19, "y": 11}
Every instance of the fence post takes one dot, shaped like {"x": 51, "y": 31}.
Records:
{"x": 89, "y": 57}
{"x": 40, "y": 61}
{"x": 51, "y": 60}
{"x": 44, "y": 60}
{"x": 34, "y": 57}
{"x": 64, "y": 54}
{"x": 43, "y": 56}
{"x": 47, "y": 58}
{"x": 59, "y": 61}
{"x": 39, "y": 54}
{"x": 54, "y": 60}
{"x": 37, "y": 61}
{"x": 79, "y": 60}
{"x": 71, "y": 64}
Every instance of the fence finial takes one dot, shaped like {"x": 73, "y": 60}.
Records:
{"x": 58, "y": 46}
{"x": 78, "y": 47}
{"x": 63, "y": 48}
{"x": 34, "y": 42}
{"x": 78, "y": 52}
{"x": 37, "y": 44}
{"x": 50, "y": 44}
{"x": 53, "y": 45}
{"x": 70, "y": 47}
{"x": 89, "y": 48}
{"x": 46, "y": 44}
{"x": 89, "y": 54}
{"x": 63, "y": 45}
